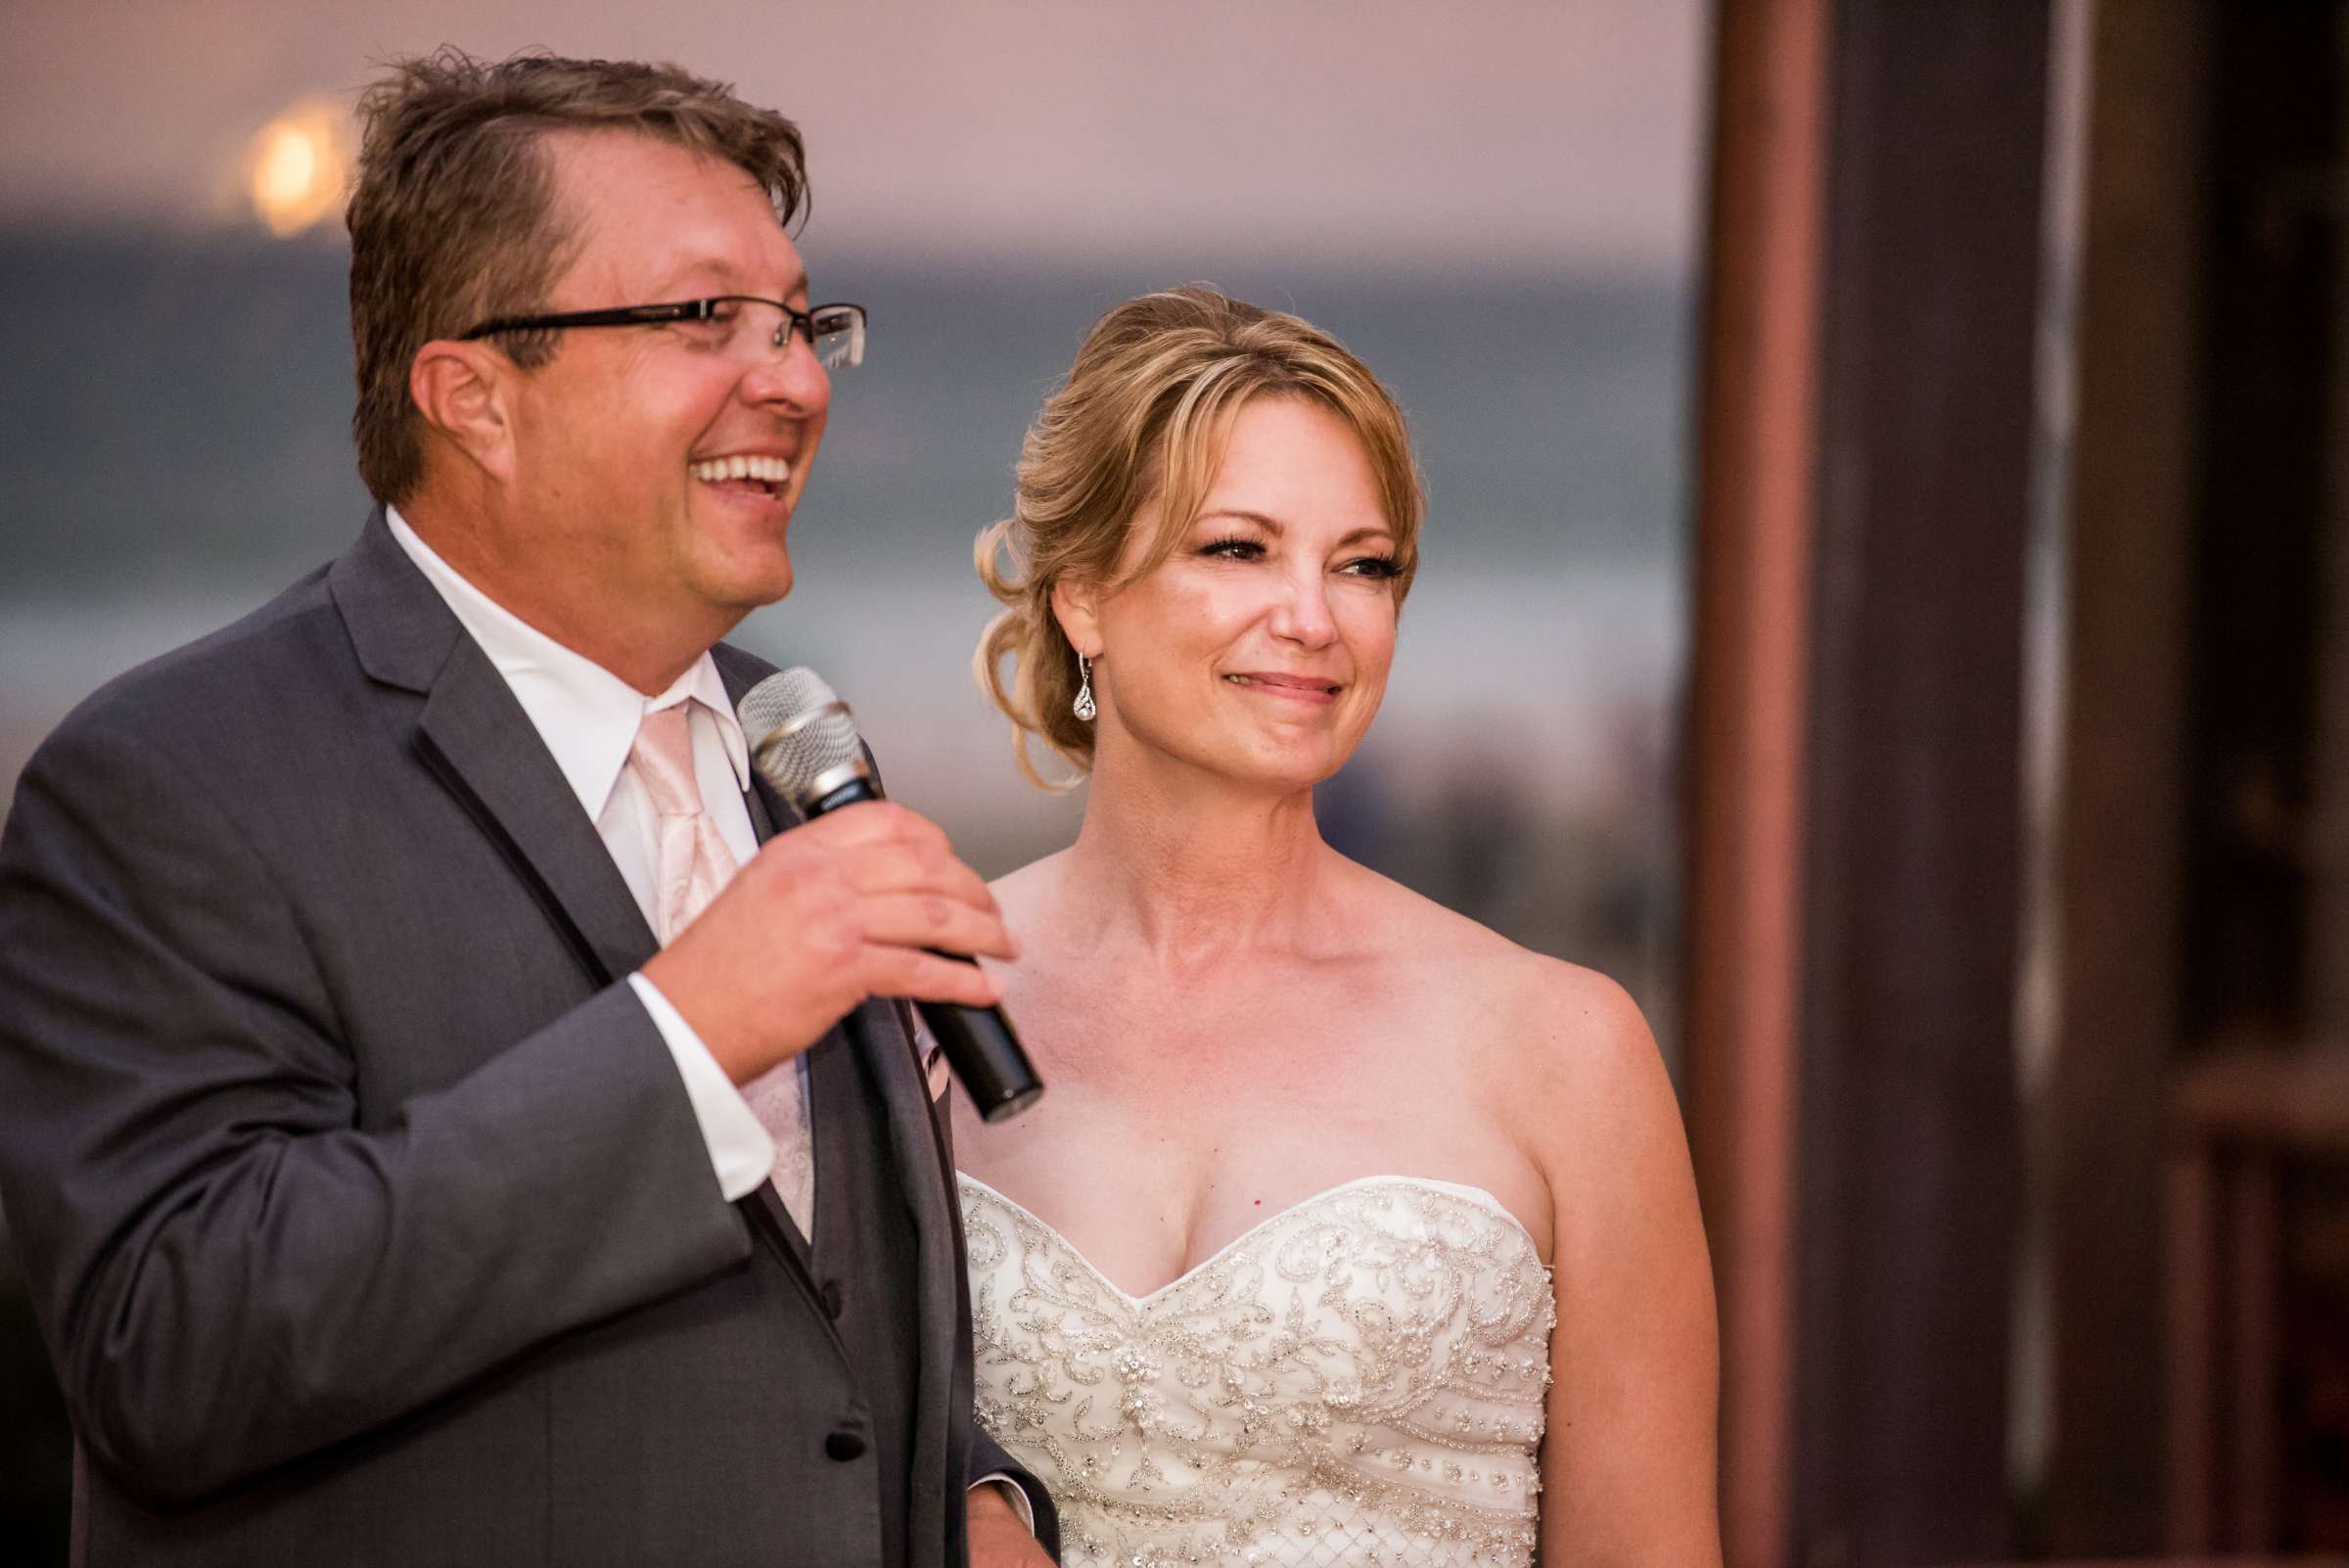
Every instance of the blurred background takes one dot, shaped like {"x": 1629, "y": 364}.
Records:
{"x": 1496, "y": 209}
{"x": 1886, "y": 598}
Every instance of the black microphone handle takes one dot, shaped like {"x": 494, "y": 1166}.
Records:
{"x": 987, "y": 1058}
{"x": 978, "y": 1042}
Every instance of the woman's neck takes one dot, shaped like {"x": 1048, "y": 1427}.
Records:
{"x": 1185, "y": 868}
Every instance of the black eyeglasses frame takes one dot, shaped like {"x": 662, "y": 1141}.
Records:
{"x": 800, "y": 322}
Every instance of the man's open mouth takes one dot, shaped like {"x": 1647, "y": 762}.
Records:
{"x": 769, "y": 474}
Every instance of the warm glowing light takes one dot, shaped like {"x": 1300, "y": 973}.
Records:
{"x": 298, "y": 163}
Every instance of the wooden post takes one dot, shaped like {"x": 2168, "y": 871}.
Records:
{"x": 1866, "y": 433}
{"x": 2121, "y": 840}
{"x": 1752, "y": 610}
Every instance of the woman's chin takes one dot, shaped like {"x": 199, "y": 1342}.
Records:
{"x": 1272, "y": 760}
{"x": 1281, "y": 771}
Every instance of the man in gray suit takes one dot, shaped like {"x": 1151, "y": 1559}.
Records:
{"x": 424, "y": 1144}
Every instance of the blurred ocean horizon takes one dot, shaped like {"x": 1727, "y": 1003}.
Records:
{"x": 174, "y": 450}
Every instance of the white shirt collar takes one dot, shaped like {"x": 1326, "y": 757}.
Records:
{"x": 586, "y": 714}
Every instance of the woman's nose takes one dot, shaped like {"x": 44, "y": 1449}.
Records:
{"x": 1302, "y": 615}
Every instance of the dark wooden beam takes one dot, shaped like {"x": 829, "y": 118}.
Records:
{"x": 1909, "y": 1170}
{"x": 2120, "y": 858}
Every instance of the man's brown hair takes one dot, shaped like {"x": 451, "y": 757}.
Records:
{"x": 453, "y": 219}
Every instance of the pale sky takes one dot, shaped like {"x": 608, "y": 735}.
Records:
{"x": 1534, "y": 134}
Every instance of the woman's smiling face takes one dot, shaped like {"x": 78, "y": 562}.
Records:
{"x": 1259, "y": 649}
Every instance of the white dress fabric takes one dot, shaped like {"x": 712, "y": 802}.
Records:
{"x": 1358, "y": 1379}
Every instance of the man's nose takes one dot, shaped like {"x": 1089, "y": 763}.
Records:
{"x": 790, "y": 376}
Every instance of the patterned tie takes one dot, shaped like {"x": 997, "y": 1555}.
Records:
{"x": 690, "y": 865}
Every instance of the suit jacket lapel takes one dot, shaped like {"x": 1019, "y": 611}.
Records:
{"x": 470, "y": 721}
{"x": 914, "y": 1136}
{"x": 919, "y": 1149}
{"x": 770, "y": 813}
{"x": 877, "y": 1029}
{"x": 476, "y": 736}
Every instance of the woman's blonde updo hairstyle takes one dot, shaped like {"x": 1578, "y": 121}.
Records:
{"x": 1144, "y": 415}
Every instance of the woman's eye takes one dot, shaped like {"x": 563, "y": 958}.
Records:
{"x": 1380, "y": 567}
{"x": 1233, "y": 549}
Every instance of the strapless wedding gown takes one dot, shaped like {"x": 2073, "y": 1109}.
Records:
{"x": 1358, "y": 1379}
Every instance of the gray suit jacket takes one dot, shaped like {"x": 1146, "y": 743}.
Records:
{"x": 366, "y": 1216}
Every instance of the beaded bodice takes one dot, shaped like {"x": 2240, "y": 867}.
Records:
{"x": 1358, "y": 1379}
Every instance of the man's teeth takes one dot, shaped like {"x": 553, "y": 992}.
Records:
{"x": 766, "y": 469}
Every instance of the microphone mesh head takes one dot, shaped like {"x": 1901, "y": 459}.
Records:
{"x": 798, "y": 731}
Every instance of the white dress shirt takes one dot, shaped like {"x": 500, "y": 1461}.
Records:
{"x": 588, "y": 717}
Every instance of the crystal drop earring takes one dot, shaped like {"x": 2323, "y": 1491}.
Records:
{"x": 1083, "y": 707}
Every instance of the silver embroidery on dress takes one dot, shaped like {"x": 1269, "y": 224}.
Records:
{"x": 1358, "y": 1379}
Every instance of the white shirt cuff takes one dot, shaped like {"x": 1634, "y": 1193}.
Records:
{"x": 1015, "y": 1492}
{"x": 740, "y": 1151}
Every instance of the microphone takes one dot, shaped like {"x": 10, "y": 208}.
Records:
{"x": 804, "y": 744}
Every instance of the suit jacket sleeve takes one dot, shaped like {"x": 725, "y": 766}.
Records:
{"x": 230, "y": 1272}
{"x": 989, "y": 1459}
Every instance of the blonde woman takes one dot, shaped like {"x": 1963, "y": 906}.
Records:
{"x": 1350, "y": 1231}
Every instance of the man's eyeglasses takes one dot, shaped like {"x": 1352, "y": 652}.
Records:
{"x": 736, "y": 322}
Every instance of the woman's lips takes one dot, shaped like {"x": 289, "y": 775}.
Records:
{"x": 1316, "y": 689}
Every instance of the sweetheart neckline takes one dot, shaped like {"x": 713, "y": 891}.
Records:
{"x": 1461, "y": 1188}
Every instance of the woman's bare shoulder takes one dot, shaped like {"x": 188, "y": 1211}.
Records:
{"x": 1412, "y": 927}
{"x": 1525, "y": 983}
{"x": 1593, "y": 1101}
{"x": 1556, "y": 1034}
{"x": 1571, "y": 1045}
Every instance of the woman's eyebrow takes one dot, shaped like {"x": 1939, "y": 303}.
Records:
{"x": 1268, "y": 523}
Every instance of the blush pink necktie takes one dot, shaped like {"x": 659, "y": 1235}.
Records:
{"x": 690, "y": 865}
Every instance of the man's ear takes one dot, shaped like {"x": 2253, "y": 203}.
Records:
{"x": 462, "y": 391}
{"x": 1073, "y": 603}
